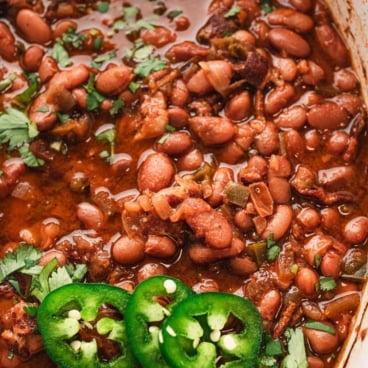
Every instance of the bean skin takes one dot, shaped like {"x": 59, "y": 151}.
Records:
{"x": 294, "y": 117}
{"x": 279, "y": 98}
{"x": 242, "y": 266}
{"x": 286, "y": 67}
{"x": 33, "y": 28}
{"x": 267, "y": 142}
{"x": 322, "y": 342}
{"x": 160, "y": 246}
{"x": 156, "y": 172}
{"x": 292, "y": 19}
{"x": 327, "y": 115}
{"x": 191, "y": 161}
{"x": 179, "y": 94}
{"x": 279, "y": 222}
{"x": 7, "y": 43}
{"x": 289, "y": 42}
{"x": 205, "y": 286}
{"x": 150, "y": 269}
{"x": 32, "y": 58}
{"x": 221, "y": 178}
{"x": 48, "y": 68}
{"x": 269, "y": 304}
{"x": 91, "y": 216}
{"x": 280, "y": 190}
{"x": 302, "y": 5}
{"x": 199, "y": 84}
{"x": 176, "y": 144}
{"x": 239, "y": 107}
{"x": 212, "y": 130}
{"x": 127, "y": 251}
{"x": 356, "y": 230}
{"x": 306, "y": 280}
{"x": 345, "y": 80}
{"x": 331, "y": 264}
{"x": 114, "y": 80}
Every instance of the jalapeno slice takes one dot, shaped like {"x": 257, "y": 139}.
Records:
{"x": 82, "y": 325}
{"x": 212, "y": 330}
{"x": 152, "y": 301}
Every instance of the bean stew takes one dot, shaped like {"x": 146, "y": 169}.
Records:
{"x": 222, "y": 143}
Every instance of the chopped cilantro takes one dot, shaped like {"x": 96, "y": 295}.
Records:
{"x": 315, "y": 325}
{"x": 117, "y": 105}
{"x": 266, "y": 7}
{"x": 274, "y": 347}
{"x": 5, "y": 83}
{"x": 133, "y": 87}
{"x": 24, "y": 98}
{"x": 234, "y": 10}
{"x": 273, "y": 250}
{"x": 31, "y": 310}
{"x": 94, "y": 98}
{"x": 327, "y": 283}
{"x": 100, "y": 59}
{"x": 73, "y": 38}
{"x": 43, "y": 109}
{"x": 59, "y": 53}
{"x": 107, "y": 135}
{"x": 29, "y": 158}
{"x": 140, "y": 24}
{"x": 119, "y": 24}
{"x": 130, "y": 12}
{"x": 296, "y": 357}
{"x": 174, "y": 13}
{"x": 103, "y": 7}
{"x": 146, "y": 67}
{"x": 317, "y": 260}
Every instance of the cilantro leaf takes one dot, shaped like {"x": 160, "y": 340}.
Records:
{"x": 5, "y": 83}
{"x": 146, "y": 67}
{"x": 29, "y": 158}
{"x": 315, "y": 325}
{"x": 117, "y": 105}
{"x": 234, "y": 10}
{"x": 266, "y": 7}
{"x": 73, "y": 38}
{"x": 296, "y": 357}
{"x": 273, "y": 250}
{"x": 94, "y": 98}
{"x": 59, "y": 53}
{"x": 174, "y": 13}
{"x": 24, "y": 98}
{"x": 100, "y": 59}
{"x": 327, "y": 283}
{"x": 24, "y": 256}
{"x": 103, "y": 7}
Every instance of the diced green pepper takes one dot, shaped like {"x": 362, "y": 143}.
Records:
{"x": 212, "y": 330}
{"x": 152, "y": 301}
{"x": 74, "y": 325}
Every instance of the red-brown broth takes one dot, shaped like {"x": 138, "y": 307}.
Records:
{"x": 52, "y": 192}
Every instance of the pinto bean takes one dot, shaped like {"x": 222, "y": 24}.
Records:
{"x": 294, "y": 117}
{"x": 243, "y": 220}
{"x": 345, "y": 80}
{"x": 267, "y": 141}
{"x": 279, "y": 98}
{"x": 292, "y": 19}
{"x": 289, "y": 42}
{"x": 312, "y": 139}
{"x": 221, "y": 178}
{"x": 332, "y": 45}
{"x": 159, "y": 36}
{"x": 114, "y": 79}
{"x": 176, "y": 144}
{"x": 269, "y": 304}
{"x": 49, "y": 256}
{"x": 242, "y": 266}
{"x": 331, "y": 264}
{"x": 351, "y": 103}
{"x": 279, "y": 166}
{"x": 302, "y": 5}
{"x": 13, "y": 169}
{"x": 280, "y": 190}
{"x": 338, "y": 142}
{"x": 279, "y": 222}
{"x": 336, "y": 177}
{"x": 7, "y": 43}
{"x": 239, "y": 107}
{"x": 199, "y": 84}
{"x": 317, "y": 246}
{"x": 160, "y": 246}
{"x": 178, "y": 117}
{"x": 33, "y": 28}
{"x": 306, "y": 281}
{"x": 127, "y": 251}
{"x": 355, "y": 231}
{"x": 155, "y": 173}
{"x": 244, "y": 137}
{"x": 48, "y": 68}
{"x": 308, "y": 218}
{"x": 179, "y": 94}
{"x": 205, "y": 286}
{"x": 327, "y": 115}
{"x": 91, "y": 216}
{"x": 212, "y": 129}
{"x": 312, "y": 310}
{"x": 32, "y": 58}
{"x": 150, "y": 269}
{"x": 286, "y": 67}
{"x": 311, "y": 73}
{"x": 314, "y": 362}
{"x": 191, "y": 161}
{"x": 322, "y": 342}
{"x": 256, "y": 170}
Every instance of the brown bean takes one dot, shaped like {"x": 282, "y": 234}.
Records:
{"x": 244, "y": 137}
{"x": 239, "y": 107}
{"x": 191, "y": 161}
{"x": 312, "y": 310}
{"x": 302, "y": 5}
{"x": 327, "y": 115}
{"x": 269, "y": 304}
{"x": 179, "y": 93}
{"x": 338, "y": 142}
{"x": 221, "y": 178}
{"x": 53, "y": 254}
{"x": 178, "y": 117}
{"x": 160, "y": 246}
{"x": 49, "y": 232}
{"x": 292, "y": 19}
{"x": 267, "y": 141}
{"x": 278, "y": 98}
{"x": 156, "y": 172}
{"x": 256, "y": 170}
{"x": 315, "y": 362}
{"x": 91, "y": 216}
{"x": 349, "y": 301}
{"x": 337, "y": 177}
{"x": 289, "y": 42}
{"x": 150, "y": 269}
{"x": 286, "y": 67}
{"x": 294, "y": 117}
{"x": 114, "y": 79}
{"x": 279, "y": 166}
{"x": 317, "y": 246}
{"x": 128, "y": 251}
{"x": 212, "y": 130}
{"x": 199, "y": 84}
{"x": 312, "y": 139}
{"x": 308, "y": 218}
{"x": 351, "y": 103}
{"x": 48, "y": 68}
{"x": 355, "y": 231}
{"x": 158, "y": 37}
{"x": 332, "y": 45}
{"x": 175, "y": 144}
{"x": 331, "y": 264}
{"x": 32, "y": 58}
{"x": 306, "y": 281}
{"x": 312, "y": 74}
{"x": 322, "y": 342}
{"x": 279, "y": 222}
{"x": 345, "y": 80}
{"x": 280, "y": 190}
{"x": 242, "y": 266}
{"x": 243, "y": 220}
{"x": 33, "y": 28}
{"x": 7, "y": 43}
{"x": 62, "y": 27}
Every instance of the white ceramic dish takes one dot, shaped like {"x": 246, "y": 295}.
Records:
{"x": 351, "y": 17}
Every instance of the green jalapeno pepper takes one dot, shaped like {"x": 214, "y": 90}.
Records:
{"x": 212, "y": 330}
{"x": 152, "y": 301}
{"x": 82, "y": 325}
